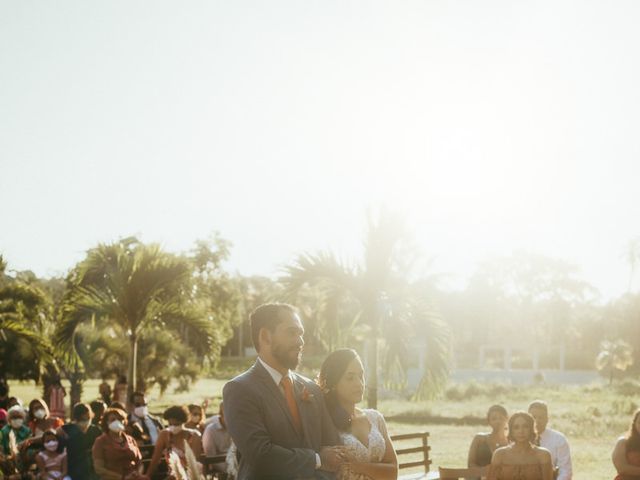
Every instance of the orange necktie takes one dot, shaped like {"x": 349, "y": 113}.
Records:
{"x": 291, "y": 402}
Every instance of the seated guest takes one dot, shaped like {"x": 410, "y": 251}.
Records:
{"x": 522, "y": 459}
{"x": 552, "y": 440}
{"x": 216, "y": 439}
{"x": 16, "y": 424}
{"x": 98, "y": 407}
{"x": 196, "y": 418}
{"x": 626, "y": 454}
{"x": 363, "y": 431}
{"x": 142, "y": 426}
{"x": 173, "y": 438}
{"x": 484, "y": 444}
{"x": 52, "y": 458}
{"x": 116, "y": 455}
{"x": 78, "y": 437}
{"x": 40, "y": 420}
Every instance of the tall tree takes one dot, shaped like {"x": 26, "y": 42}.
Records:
{"x": 389, "y": 305}
{"x": 24, "y": 319}
{"x": 614, "y": 355}
{"x": 131, "y": 287}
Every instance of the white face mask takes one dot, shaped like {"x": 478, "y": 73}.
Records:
{"x": 141, "y": 411}
{"x": 51, "y": 445}
{"x": 40, "y": 413}
{"x": 174, "y": 429}
{"x": 16, "y": 422}
{"x": 116, "y": 426}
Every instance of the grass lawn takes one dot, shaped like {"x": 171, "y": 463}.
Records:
{"x": 592, "y": 417}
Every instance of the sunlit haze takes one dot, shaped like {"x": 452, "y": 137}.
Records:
{"x": 493, "y": 126}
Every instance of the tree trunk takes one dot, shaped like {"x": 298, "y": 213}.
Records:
{"x": 76, "y": 379}
{"x": 133, "y": 360}
{"x": 372, "y": 387}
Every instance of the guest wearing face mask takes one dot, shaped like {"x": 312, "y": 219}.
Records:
{"x": 196, "y": 418}
{"x": 17, "y": 416}
{"x": 116, "y": 455}
{"x": 39, "y": 418}
{"x": 142, "y": 426}
{"x": 172, "y": 438}
{"x": 79, "y": 437}
{"x": 52, "y": 459}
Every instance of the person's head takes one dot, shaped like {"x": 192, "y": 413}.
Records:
{"x": 38, "y": 409}
{"x": 98, "y": 407}
{"x": 540, "y": 413}
{"x": 277, "y": 334}
{"x": 13, "y": 401}
{"x": 139, "y": 403}
{"x": 176, "y": 416}
{"x": 16, "y": 416}
{"x": 522, "y": 428}
{"x": 50, "y": 441}
{"x": 82, "y": 414}
{"x": 196, "y": 413}
{"x": 122, "y": 379}
{"x": 119, "y": 405}
{"x": 497, "y": 417}
{"x": 342, "y": 381}
{"x": 114, "y": 420}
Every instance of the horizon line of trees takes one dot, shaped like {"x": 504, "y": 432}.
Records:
{"x": 130, "y": 308}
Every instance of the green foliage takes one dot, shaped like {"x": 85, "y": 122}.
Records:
{"x": 25, "y": 317}
{"x": 615, "y": 355}
{"x": 375, "y": 299}
{"x": 134, "y": 289}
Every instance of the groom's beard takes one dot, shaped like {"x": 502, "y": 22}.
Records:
{"x": 288, "y": 357}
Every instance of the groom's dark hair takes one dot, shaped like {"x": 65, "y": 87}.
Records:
{"x": 267, "y": 316}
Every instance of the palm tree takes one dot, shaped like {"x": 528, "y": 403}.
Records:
{"x": 389, "y": 305}
{"x": 23, "y": 320}
{"x": 131, "y": 287}
{"x": 614, "y": 355}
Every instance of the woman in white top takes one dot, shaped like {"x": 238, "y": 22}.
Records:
{"x": 371, "y": 454}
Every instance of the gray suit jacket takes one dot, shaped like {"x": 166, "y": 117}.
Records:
{"x": 262, "y": 428}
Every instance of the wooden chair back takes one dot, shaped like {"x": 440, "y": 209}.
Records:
{"x": 423, "y": 448}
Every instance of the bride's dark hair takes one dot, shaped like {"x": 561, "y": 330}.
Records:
{"x": 331, "y": 372}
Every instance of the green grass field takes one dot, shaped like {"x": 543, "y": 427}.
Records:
{"x": 592, "y": 417}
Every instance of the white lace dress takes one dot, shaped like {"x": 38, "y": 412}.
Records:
{"x": 373, "y": 452}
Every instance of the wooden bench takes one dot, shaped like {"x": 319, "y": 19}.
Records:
{"x": 423, "y": 448}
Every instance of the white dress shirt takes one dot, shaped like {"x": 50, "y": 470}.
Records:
{"x": 557, "y": 444}
{"x": 215, "y": 439}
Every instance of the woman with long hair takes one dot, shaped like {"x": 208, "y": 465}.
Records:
{"x": 363, "y": 431}
{"x": 484, "y": 444}
{"x": 521, "y": 459}
{"x": 626, "y": 454}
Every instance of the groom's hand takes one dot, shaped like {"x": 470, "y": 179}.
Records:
{"x": 332, "y": 457}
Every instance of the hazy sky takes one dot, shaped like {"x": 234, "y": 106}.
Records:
{"x": 495, "y": 125}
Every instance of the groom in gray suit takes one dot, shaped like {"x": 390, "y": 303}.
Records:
{"x": 277, "y": 418}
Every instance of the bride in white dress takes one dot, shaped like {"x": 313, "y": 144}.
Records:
{"x": 363, "y": 431}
